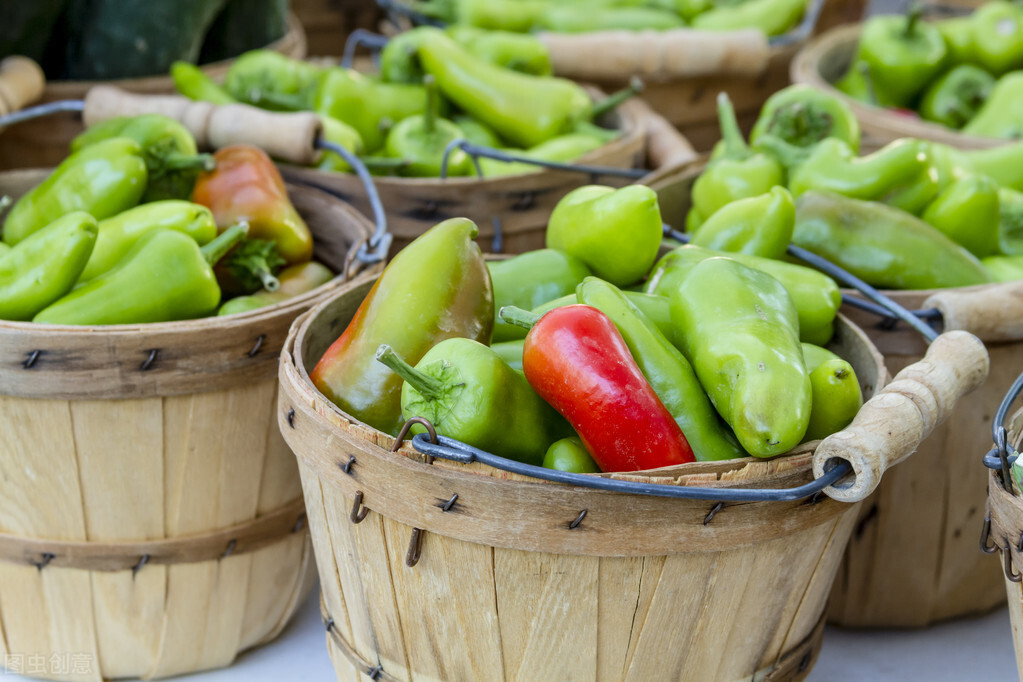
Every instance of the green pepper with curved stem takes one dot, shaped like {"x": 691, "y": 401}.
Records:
{"x": 835, "y": 391}
{"x": 469, "y": 393}
{"x": 531, "y": 279}
{"x": 883, "y": 246}
{"x": 561, "y": 149}
{"x": 760, "y": 226}
{"x": 773, "y": 17}
{"x": 102, "y": 179}
{"x": 1001, "y": 115}
{"x": 998, "y": 36}
{"x": 803, "y": 116}
{"x": 615, "y": 232}
{"x": 956, "y": 97}
{"x": 738, "y": 172}
{"x": 165, "y": 277}
{"x": 739, "y": 329}
{"x": 904, "y": 55}
{"x": 421, "y": 141}
{"x": 667, "y": 370}
{"x": 569, "y": 454}
{"x": 967, "y": 213}
{"x": 193, "y": 83}
{"x": 118, "y": 235}
{"x": 44, "y": 266}
{"x": 1010, "y": 221}
{"x": 259, "y": 76}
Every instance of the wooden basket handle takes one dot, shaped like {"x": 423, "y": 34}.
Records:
{"x": 892, "y": 424}
{"x": 21, "y": 83}
{"x": 657, "y": 55}
{"x": 992, "y": 313}
{"x": 288, "y": 136}
{"x": 666, "y": 147}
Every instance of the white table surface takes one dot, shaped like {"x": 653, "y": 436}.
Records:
{"x": 963, "y": 650}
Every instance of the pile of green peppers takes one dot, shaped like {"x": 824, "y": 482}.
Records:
{"x": 914, "y": 214}
{"x": 491, "y": 88}
{"x": 113, "y": 236}
{"x": 965, "y": 73}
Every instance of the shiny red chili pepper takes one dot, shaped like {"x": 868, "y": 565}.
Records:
{"x": 575, "y": 359}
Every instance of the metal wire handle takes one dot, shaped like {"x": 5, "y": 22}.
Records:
{"x": 375, "y": 249}
{"x": 477, "y": 151}
{"x": 457, "y": 451}
{"x": 1003, "y": 456}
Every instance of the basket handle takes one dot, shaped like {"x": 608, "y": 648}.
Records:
{"x": 657, "y": 55}
{"x": 21, "y": 83}
{"x": 993, "y": 313}
{"x": 666, "y": 147}
{"x": 891, "y": 425}
{"x": 289, "y": 136}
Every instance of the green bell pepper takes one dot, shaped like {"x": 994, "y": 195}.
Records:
{"x": 956, "y": 97}
{"x": 904, "y": 55}
{"x": 760, "y": 226}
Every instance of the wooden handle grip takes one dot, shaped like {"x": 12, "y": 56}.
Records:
{"x": 288, "y": 136}
{"x": 992, "y": 313}
{"x": 21, "y": 83}
{"x": 892, "y": 424}
{"x": 666, "y": 147}
{"x": 657, "y": 55}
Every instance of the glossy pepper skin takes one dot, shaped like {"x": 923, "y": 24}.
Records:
{"x": 1000, "y": 116}
{"x": 615, "y": 232}
{"x": 760, "y": 226}
{"x": 569, "y": 454}
{"x": 117, "y": 235}
{"x": 470, "y": 394}
{"x": 956, "y": 97}
{"x": 577, "y": 361}
{"x": 667, "y": 370}
{"x": 654, "y": 307}
{"x": 165, "y": 277}
{"x": 881, "y": 245}
{"x": 531, "y": 279}
{"x": 193, "y": 83}
{"x": 260, "y": 76}
{"x": 997, "y": 29}
{"x": 246, "y": 186}
{"x": 836, "y": 392}
{"x": 967, "y": 213}
{"x": 421, "y": 140}
{"x": 815, "y": 295}
{"x": 803, "y": 116}
{"x": 736, "y": 172}
{"x": 103, "y": 179}
{"x": 903, "y": 53}
{"x": 773, "y": 17}
{"x": 739, "y": 329}
{"x": 44, "y": 266}
{"x": 525, "y": 110}
{"x": 442, "y": 280}
{"x": 294, "y": 281}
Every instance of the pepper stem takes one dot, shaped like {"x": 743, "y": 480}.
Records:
{"x": 913, "y": 15}
{"x": 174, "y": 162}
{"x": 518, "y": 316}
{"x": 430, "y": 115}
{"x": 225, "y": 241}
{"x": 735, "y": 143}
{"x": 610, "y": 102}
{"x": 430, "y": 387}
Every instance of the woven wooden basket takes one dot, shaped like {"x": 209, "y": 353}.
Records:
{"x": 467, "y": 572}
{"x": 826, "y": 59}
{"x": 151, "y": 519}
{"x": 911, "y": 560}
{"x": 44, "y": 142}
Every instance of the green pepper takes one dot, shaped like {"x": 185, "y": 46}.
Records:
{"x": 118, "y": 234}
{"x": 441, "y": 280}
{"x": 531, "y": 279}
{"x": 667, "y": 370}
{"x": 44, "y": 266}
{"x": 102, "y": 179}
{"x": 569, "y": 454}
{"x": 737, "y": 173}
{"x": 525, "y": 110}
{"x": 958, "y": 35}
{"x": 882, "y": 245}
{"x": 803, "y": 116}
{"x": 967, "y": 212}
{"x": 561, "y": 149}
{"x": 172, "y": 159}
{"x": 815, "y": 295}
{"x": 511, "y": 351}
{"x": 615, "y": 232}
{"x": 476, "y": 132}
{"x": 272, "y": 80}
{"x": 1004, "y": 268}
{"x": 343, "y": 135}
{"x": 739, "y": 329}
{"x": 654, "y": 307}
{"x": 956, "y": 97}
{"x": 469, "y": 393}
{"x": 497, "y": 15}
{"x": 773, "y": 17}
{"x": 582, "y": 19}
{"x": 421, "y": 141}
{"x": 1010, "y": 222}
{"x": 1003, "y": 164}
{"x": 856, "y": 83}
{"x": 369, "y": 106}
{"x": 523, "y": 53}
{"x": 998, "y": 36}
{"x": 904, "y": 55}
{"x": 293, "y": 281}
{"x": 193, "y": 83}
{"x": 760, "y": 226}
{"x": 165, "y": 277}
{"x": 835, "y": 391}
{"x": 1001, "y": 115}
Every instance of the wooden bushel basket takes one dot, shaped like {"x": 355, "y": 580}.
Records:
{"x": 912, "y": 559}
{"x": 826, "y": 59}
{"x": 44, "y": 142}
{"x": 151, "y": 518}
{"x": 439, "y": 570}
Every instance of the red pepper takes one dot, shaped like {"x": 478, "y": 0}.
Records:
{"x": 575, "y": 359}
